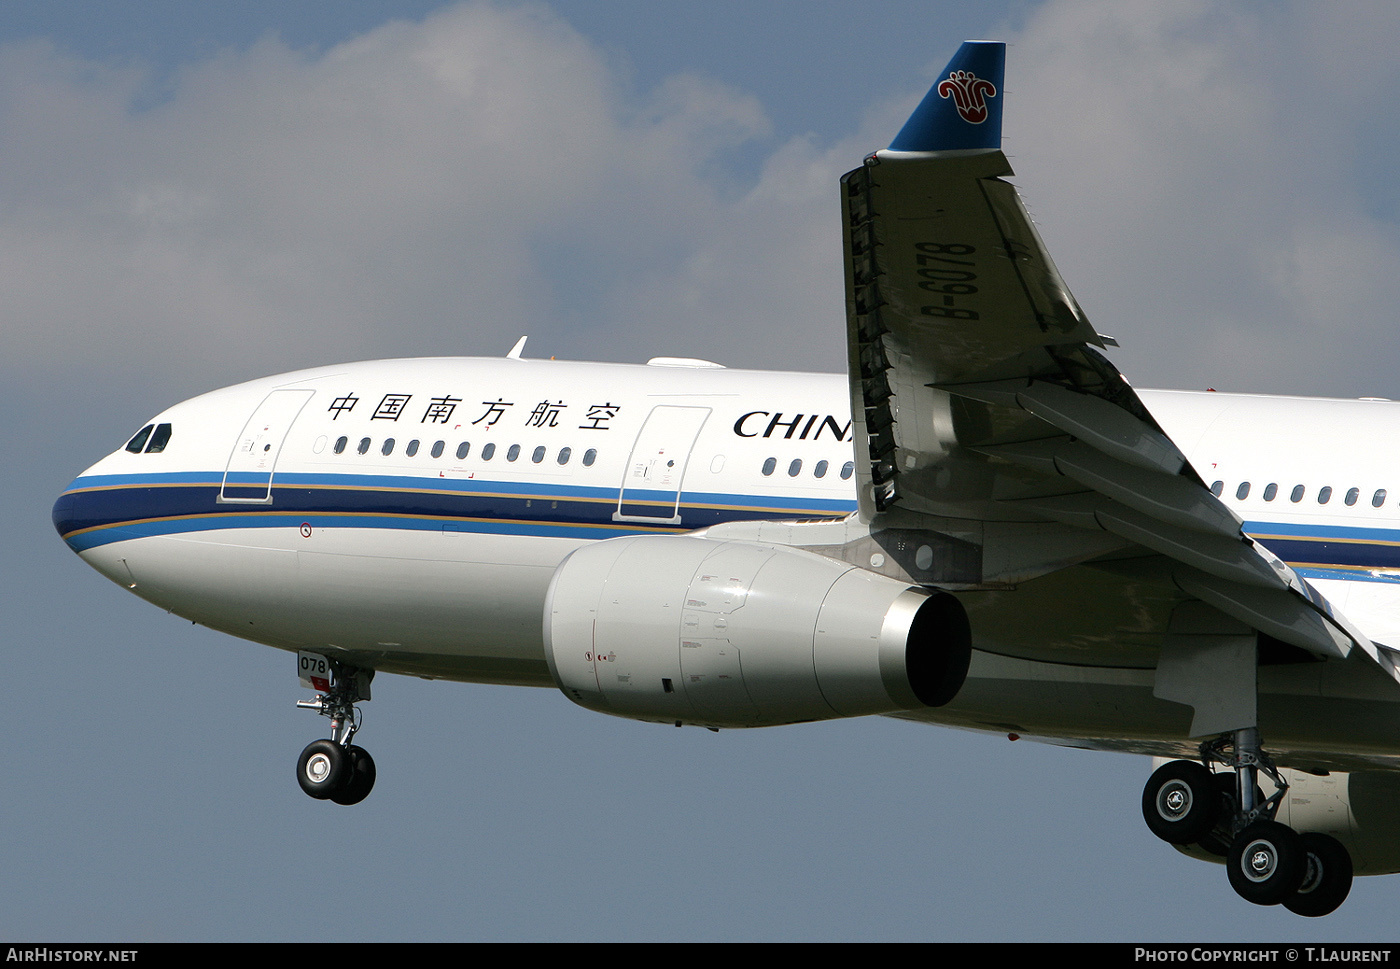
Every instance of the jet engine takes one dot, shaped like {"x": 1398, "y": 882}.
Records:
{"x": 685, "y": 630}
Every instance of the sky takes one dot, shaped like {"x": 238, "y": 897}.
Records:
{"x": 192, "y": 197}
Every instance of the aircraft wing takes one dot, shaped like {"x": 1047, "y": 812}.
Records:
{"x": 989, "y": 427}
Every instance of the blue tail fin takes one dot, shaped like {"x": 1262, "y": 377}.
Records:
{"x": 963, "y": 109}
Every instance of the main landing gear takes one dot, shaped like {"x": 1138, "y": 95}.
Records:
{"x": 1226, "y": 814}
{"x": 335, "y": 769}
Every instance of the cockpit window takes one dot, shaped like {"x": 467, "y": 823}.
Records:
{"x": 139, "y": 441}
{"x": 159, "y": 439}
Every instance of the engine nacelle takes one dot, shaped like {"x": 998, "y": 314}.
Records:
{"x": 1361, "y": 810}
{"x": 676, "y": 629}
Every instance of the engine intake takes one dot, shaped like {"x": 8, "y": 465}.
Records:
{"x": 677, "y": 629}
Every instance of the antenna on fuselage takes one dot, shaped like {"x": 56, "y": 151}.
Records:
{"x": 516, "y": 350}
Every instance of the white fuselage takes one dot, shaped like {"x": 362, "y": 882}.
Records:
{"x": 408, "y": 515}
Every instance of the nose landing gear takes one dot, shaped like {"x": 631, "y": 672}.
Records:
{"x": 335, "y": 769}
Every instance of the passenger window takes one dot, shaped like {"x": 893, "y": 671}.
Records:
{"x": 820, "y": 470}
{"x": 463, "y": 450}
{"x": 1270, "y": 491}
{"x": 1324, "y": 494}
{"x": 437, "y": 448}
{"x": 848, "y": 469}
{"x": 795, "y": 468}
{"x": 388, "y": 447}
{"x": 159, "y": 439}
{"x": 564, "y": 453}
{"x": 340, "y": 443}
{"x": 513, "y": 452}
{"x": 1352, "y": 495}
{"x": 139, "y": 441}
{"x": 1242, "y": 492}
{"x": 364, "y": 445}
{"x": 1378, "y": 498}
{"x": 538, "y": 455}
{"x": 770, "y": 465}
{"x": 1217, "y": 488}
{"x": 411, "y": 450}
{"x": 1297, "y": 495}
{"x": 488, "y": 452}
{"x": 589, "y": 457}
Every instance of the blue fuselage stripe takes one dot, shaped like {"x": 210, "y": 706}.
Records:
{"x": 100, "y": 510}
{"x": 1332, "y": 551}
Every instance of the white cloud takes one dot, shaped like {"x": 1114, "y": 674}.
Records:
{"x": 425, "y": 188}
{"x": 1201, "y": 173}
{"x": 1197, "y": 171}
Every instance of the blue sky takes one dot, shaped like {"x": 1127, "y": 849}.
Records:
{"x": 191, "y": 197}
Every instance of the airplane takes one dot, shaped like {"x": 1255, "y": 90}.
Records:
{"x": 980, "y": 525}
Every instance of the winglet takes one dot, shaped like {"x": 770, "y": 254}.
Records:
{"x": 518, "y": 349}
{"x": 963, "y": 109}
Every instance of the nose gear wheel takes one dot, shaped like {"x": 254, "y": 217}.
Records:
{"x": 334, "y": 769}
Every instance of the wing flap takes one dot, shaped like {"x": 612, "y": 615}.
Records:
{"x": 1172, "y": 498}
{"x": 1275, "y": 612}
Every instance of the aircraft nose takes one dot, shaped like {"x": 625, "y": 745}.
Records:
{"x": 87, "y": 516}
{"x": 95, "y": 501}
{"x": 73, "y": 512}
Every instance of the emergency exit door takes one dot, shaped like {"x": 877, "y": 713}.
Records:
{"x": 655, "y": 472}
{"x": 248, "y": 477}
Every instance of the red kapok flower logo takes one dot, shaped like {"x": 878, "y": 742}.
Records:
{"x": 969, "y": 93}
